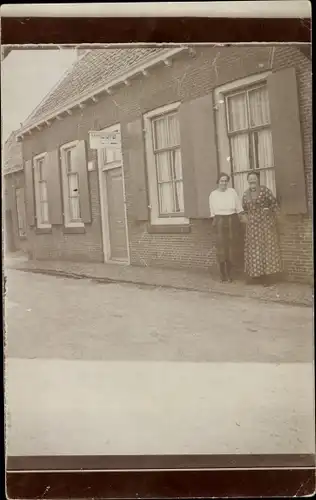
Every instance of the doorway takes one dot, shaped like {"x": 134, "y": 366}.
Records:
{"x": 112, "y": 200}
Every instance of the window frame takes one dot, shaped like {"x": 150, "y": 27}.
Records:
{"x": 111, "y": 164}
{"x": 155, "y": 217}
{"x": 222, "y": 122}
{"x": 19, "y": 215}
{"x": 37, "y": 180}
{"x": 65, "y": 185}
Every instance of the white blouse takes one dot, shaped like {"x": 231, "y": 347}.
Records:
{"x": 225, "y": 202}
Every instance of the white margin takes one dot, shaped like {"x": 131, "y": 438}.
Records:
{"x": 245, "y": 9}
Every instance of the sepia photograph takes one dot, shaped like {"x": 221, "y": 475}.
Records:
{"x": 158, "y": 254}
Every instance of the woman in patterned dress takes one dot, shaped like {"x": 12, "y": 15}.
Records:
{"x": 262, "y": 250}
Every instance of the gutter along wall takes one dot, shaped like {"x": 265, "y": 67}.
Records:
{"x": 188, "y": 78}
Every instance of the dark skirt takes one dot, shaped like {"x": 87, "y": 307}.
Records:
{"x": 227, "y": 237}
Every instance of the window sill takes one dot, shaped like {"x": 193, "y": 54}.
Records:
{"x": 43, "y": 230}
{"x": 74, "y": 230}
{"x": 169, "y": 221}
{"x": 168, "y": 229}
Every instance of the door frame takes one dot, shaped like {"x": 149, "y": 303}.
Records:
{"x": 105, "y": 226}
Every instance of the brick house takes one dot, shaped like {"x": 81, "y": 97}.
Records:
{"x": 14, "y": 196}
{"x": 183, "y": 114}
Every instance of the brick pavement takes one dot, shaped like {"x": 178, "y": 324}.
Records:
{"x": 288, "y": 293}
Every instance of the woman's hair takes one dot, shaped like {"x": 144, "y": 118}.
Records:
{"x": 221, "y": 175}
{"x": 253, "y": 172}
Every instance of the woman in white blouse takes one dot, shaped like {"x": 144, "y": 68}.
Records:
{"x": 225, "y": 207}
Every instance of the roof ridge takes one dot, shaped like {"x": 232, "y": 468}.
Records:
{"x": 54, "y": 87}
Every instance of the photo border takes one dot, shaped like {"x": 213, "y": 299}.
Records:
{"x": 294, "y": 478}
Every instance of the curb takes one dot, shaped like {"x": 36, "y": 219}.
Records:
{"x": 101, "y": 280}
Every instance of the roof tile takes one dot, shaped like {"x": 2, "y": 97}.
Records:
{"x": 95, "y": 68}
{"x": 12, "y": 153}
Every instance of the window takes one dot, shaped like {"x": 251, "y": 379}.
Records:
{"x": 43, "y": 200}
{"x": 165, "y": 165}
{"x": 71, "y": 191}
{"x": 72, "y": 186}
{"x": 248, "y": 132}
{"x": 166, "y": 140}
{"x": 41, "y": 194}
{"x": 111, "y": 157}
{"x": 20, "y": 206}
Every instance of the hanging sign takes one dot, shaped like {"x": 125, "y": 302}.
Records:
{"x": 100, "y": 140}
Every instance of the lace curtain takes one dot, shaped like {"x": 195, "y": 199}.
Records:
{"x": 43, "y": 202}
{"x": 251, "y": 148}
{"x": 166, "y": 138}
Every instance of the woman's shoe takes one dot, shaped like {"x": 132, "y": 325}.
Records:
{"x": 228, "y": 268}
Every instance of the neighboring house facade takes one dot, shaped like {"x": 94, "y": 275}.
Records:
{"x": 14, "y": 211}
{"x": 183, "y": 115}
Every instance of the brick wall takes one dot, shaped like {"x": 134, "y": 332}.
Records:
{"x": 297, "y": 232}
{"x": 297, "y": 248}
{"x": 188, "y": 78}
{"x": 58, "y": 245}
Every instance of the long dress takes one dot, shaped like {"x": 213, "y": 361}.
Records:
{"x": 262, "y": 250}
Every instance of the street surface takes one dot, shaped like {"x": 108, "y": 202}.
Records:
{"x": 111, "y": 368}
{"x": 53, "y": 317}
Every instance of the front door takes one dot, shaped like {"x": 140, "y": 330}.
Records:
{"x": 116, "y": 214}
{"x": 114, "y": 226}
